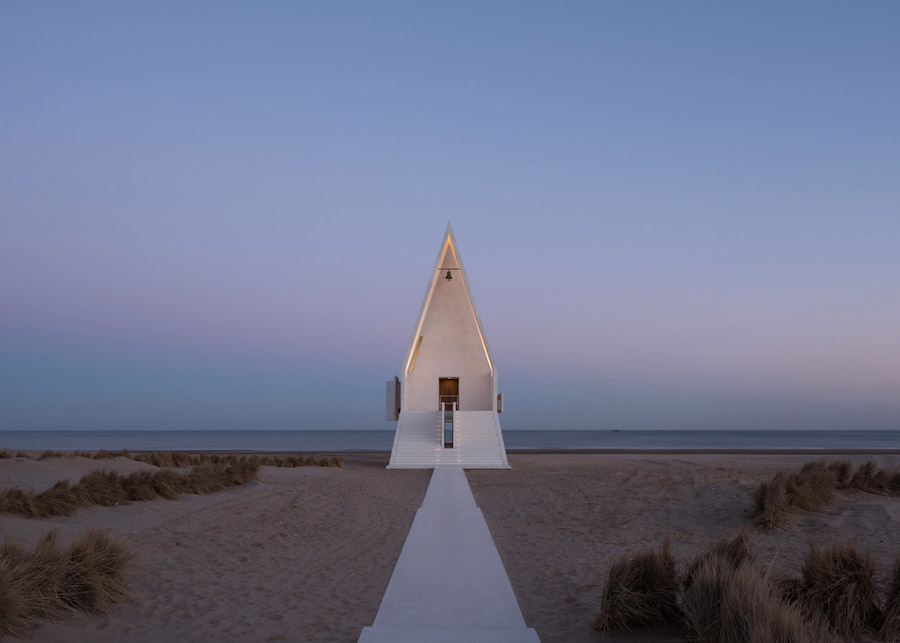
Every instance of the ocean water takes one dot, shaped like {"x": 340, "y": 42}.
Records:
{"x": 382, "y": 440}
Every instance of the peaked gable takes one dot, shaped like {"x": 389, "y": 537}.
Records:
{"x": 448, "y": 258}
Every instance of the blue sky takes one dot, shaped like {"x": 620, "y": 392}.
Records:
{"x": 673, "y": 215}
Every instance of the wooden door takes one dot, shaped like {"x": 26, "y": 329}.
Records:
{"x": 448, "y": 391}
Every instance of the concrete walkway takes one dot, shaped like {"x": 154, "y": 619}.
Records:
{"x": 449, "y": 584}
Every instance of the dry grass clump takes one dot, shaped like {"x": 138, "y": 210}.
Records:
{"x": 49, "y": 580}
{"x": 871, "y": 479}
{"x": 726, "y": 598}
{"x": 811, "y": 488}
{"x": 639, "y": 590}
{"x": 181, "y": 459}
{"x": 890, "y": 619}
{"x": 107, "y": 488}
{"x": 839, "y": 585}
{"x": 723, "y": 596}
{"x": 103, "y": 454}
{"x": 730, "y": 553}
{"x": 724, "y": 604}
{"x": 140, "y": 485}
{"x": 302, "y": 461}
{"x": 814, "y": 486}
{"x": 771, "y": 504}
{"x": 843, "y": 471}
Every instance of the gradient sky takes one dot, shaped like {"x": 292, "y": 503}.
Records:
{"x": 673, "y": 215}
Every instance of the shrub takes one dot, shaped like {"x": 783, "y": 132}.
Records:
{"x": 838, "y": 584}
{"x": 93, "y": 576}
{"x": 19, "y": 502}
{"x": 731, "y": 554}
{"x": 138, "y": 485}
{"x": 103, "y": 488}
{"x": 771, "y": 504}
{"x": 47, "y": 581}
{"x": 639, "y": 590}
{"x": 872, "y": 479}
{"x": 813, "y": 487}
{"x": 842, "y": 471}
{"x": 108, "y": 488}
{"x": 181, "y": 459}
{"x": 60, "y": 500}
{"x": 890, "y": 623}
{"x": 727, "y": 605}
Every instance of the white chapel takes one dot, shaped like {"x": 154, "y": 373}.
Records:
{"x": 446, "y": 401}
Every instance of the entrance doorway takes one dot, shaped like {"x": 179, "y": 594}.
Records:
{"x": 448, "y": 397}
{"x": 448, "y": 391}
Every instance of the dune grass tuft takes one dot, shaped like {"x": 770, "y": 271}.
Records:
{"x": 728, "y": 604}
{"x": 843, "y": 471}
{"x": 724, "y": 596}
{"x": 890, "y": 620}
{"x": 771, "y": 504}
{"x": 181, "y": 459}
{"x": 731, "y": 553}
{"x": 49, "y": 580}
{"x": 814, "y": 487}
{"x": 838, "y": 584}
{"x": 107, "y": 488}
{"x": 639, "y": 590}
{"x": 871, "y": 479}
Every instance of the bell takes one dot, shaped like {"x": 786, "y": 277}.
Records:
{"x": 449, "y": 276}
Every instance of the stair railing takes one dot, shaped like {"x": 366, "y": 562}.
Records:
{"x": 447, "y": 417}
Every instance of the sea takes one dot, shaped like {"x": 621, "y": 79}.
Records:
{"x": 374, "y": 440}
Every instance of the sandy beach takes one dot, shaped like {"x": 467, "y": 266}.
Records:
{"x": 305, "y": 554}
{"x": 559, "y": 521}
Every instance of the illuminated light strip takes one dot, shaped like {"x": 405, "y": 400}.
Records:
{"x": 415, "y": 354}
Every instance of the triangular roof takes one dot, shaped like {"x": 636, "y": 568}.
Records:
{"x": 448, "y": 258}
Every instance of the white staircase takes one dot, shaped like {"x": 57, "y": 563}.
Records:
{"x": 417, "y": 440}
{"x": 477, "y": 441}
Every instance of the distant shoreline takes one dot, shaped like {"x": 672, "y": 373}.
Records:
{"x": 539, "y": 451}
{"x": 560, "y": 441}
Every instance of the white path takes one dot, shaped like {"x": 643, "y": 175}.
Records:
{"x": 449, "y": 584}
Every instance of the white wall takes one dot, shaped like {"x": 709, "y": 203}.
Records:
{"x": 451, "y": 347}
